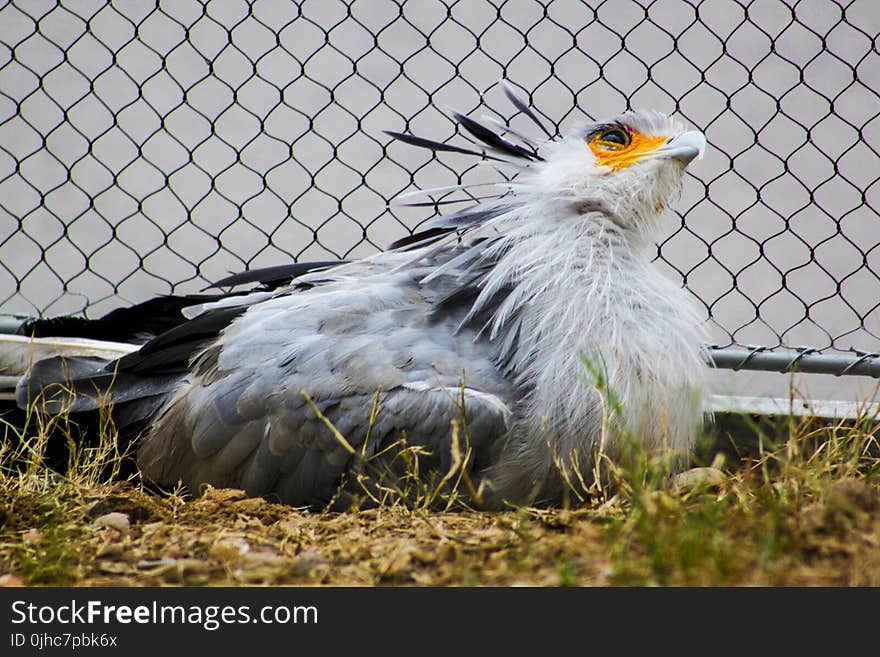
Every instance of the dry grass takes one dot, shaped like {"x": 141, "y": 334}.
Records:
{"x": 798, "y": 505}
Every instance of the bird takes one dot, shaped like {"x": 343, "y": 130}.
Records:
{"x": 521, "y": 339}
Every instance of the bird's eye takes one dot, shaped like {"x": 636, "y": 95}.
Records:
{"x": 613, "y": 140}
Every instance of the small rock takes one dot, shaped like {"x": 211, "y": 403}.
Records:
{"x": 251, "y": 504}
{"x": 229, "y": 550}
{"x": 32, "y": 537}
{"x": 9, "y": 580}
{"x": 696, "y": 476}
{"x": 114, "y": 520}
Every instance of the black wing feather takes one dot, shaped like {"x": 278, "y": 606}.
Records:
{"x": 133, "y": 324}
{"x": 171, "y": 351}
{"x": 437, "y": 146}
{"x": 493, "y": 139}
{"x": 271, "y": 278}
{"x": 523, "y": 107}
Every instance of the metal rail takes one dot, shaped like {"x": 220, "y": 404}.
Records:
{"x": 808, "y": 361}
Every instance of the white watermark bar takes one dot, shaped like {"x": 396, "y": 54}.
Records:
{"x": 807, "y": 361}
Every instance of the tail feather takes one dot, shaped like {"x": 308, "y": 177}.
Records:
{"x": 77, "y": 384}
{"x": 131, "y": 324}
{"x": 125, "y": 363}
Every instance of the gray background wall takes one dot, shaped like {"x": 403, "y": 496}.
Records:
{"x": 149, "y": 149}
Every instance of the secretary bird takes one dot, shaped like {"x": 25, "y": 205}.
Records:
{"x": 519, "y": 338}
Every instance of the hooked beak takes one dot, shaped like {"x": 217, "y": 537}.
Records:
{"x": 685, "y": 147}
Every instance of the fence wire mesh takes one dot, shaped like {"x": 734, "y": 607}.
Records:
{"x": 151, "y": 147}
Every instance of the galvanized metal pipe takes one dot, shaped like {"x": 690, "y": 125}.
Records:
{"x": 734, "y": 358}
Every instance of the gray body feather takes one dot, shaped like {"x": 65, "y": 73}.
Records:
{"x": 534, "y": 328}
{"x": 369, "y": 335}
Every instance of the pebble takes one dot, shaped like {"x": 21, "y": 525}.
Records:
{"x": 115, "y": 520}
{"x": 696, "y": 476}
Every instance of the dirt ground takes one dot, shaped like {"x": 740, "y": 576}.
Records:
{"x": 792, "y": 503}
{"x": 709, "y": 534}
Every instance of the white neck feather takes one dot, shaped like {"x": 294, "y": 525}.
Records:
{"x": 584, "y": 287}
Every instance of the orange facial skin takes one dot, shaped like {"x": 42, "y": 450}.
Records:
{"x": 610, "y": 153}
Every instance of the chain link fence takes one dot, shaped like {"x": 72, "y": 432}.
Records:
{"x": 153, "y": 147}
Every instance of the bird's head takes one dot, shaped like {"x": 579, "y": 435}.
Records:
{"x": 629, "y": 167}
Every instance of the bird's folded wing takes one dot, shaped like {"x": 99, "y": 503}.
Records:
{"x": 296, "y": 447}
{"x": 264, "y": 406}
